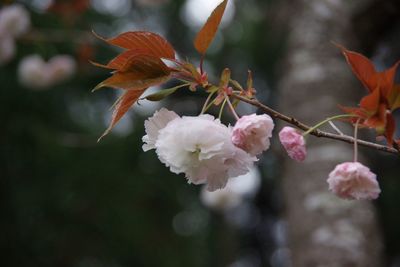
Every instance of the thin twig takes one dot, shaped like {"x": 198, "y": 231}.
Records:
{"x": 335, "y": 128}
{"x": 317, "y": 133}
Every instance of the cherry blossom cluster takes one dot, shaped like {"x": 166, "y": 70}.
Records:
{"x": 208, "y": 152}
{"x": 204, "y": 149}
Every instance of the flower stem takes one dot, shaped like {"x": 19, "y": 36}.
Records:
{"x": 355, "y": 141}
{"x": 206, "y": 105}
{"x": 221, "y": 109}
{"x": 327, "y": 120}
{"x": 231, "y": 107}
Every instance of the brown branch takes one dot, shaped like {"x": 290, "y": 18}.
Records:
{"x": 316, "y": 132}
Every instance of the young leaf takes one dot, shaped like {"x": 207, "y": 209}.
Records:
{"x": 131, "y": 81}
{"x": 121, "y": 107}
{"x": 136, "y": 72}
{"x": 362, "y": 67}
{"x": 163, "y": 93}
{"x": 371, "y": 102}
{"x": 207, "y": 33}
{"x": 150, "y": 42}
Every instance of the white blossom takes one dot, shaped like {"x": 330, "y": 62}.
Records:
{"x": 200, "y": 147}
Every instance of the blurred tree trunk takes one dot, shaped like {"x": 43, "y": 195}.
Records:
{"x": 323, "y": 229}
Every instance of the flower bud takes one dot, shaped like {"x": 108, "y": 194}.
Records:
{"x": 294, "y": 143}
{"x": 251, "y": 133}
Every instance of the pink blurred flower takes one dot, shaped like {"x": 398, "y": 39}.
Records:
{"x": 14, "y": 20}
{"x": 252, "y": 132}
{"x": 60, "y": 68}
{"x": 352, "y": 180}
{"x": 294, "y": 143}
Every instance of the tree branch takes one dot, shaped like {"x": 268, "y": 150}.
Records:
{"x": 317, "y": 133}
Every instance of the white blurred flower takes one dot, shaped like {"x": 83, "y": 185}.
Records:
{"x": 7, "y": 48}
{"x": 60, "y": 68}
{"x": 200, "y": 147}
{"x": 32, "y": 72}
{"x": 236, "y": 191}
{"x": 14, "y": 20}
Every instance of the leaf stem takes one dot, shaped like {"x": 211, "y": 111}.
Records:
{"x": 355, "y": 141}
{"x": 325, "y": 121}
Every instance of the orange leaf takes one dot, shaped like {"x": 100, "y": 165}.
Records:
{"x": 136, "y": 72}
{"x": 362, "y": 67}
{"x": 122, "y": 60}
{"x": 378, "y": 120}
{"x": 150, "y": 42}
{"x": 386, "y": 80}
{"x": 131, "y": 81}
{"x": 371, "y": 102}
{"x": 394, "y": 101}
{"x": 121, "y": 107}
{"x": 207, "y": 33}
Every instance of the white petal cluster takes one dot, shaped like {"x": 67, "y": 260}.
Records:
{"x": 34, "y": 72}
{"x": 14, "y": 22}
{"x": 200, "y": 147}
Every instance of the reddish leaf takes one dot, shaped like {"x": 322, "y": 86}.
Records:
{"x": 362, "y": 67}
{"x": 135, "y": 72}
{"x": 150, "y": 42}
{"x": 207, "y": 33}
{"x": 386, "y": 80}
{"x": 371, "y": 102}
{"x": 123, "y": 60}
{"x": 122, "y": 106}
{"x": 378, "y": 120}
{"x": 131, "y": 81}
{"x": 394, "y": 101}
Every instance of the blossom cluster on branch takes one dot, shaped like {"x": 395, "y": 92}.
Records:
{"x": 209, "y": 152}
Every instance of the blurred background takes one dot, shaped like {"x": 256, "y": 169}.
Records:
{"x": 67, "y": 200}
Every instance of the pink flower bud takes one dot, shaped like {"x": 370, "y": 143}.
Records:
{"x": 352, "y": 180}
{"x": 251, "y": 133}
{"x": 294, "y": 143}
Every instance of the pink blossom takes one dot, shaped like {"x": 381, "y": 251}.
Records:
{"x": 294, "y": 143}
{"x": 252, "y": 132}
{"x": 352, "y": 180}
